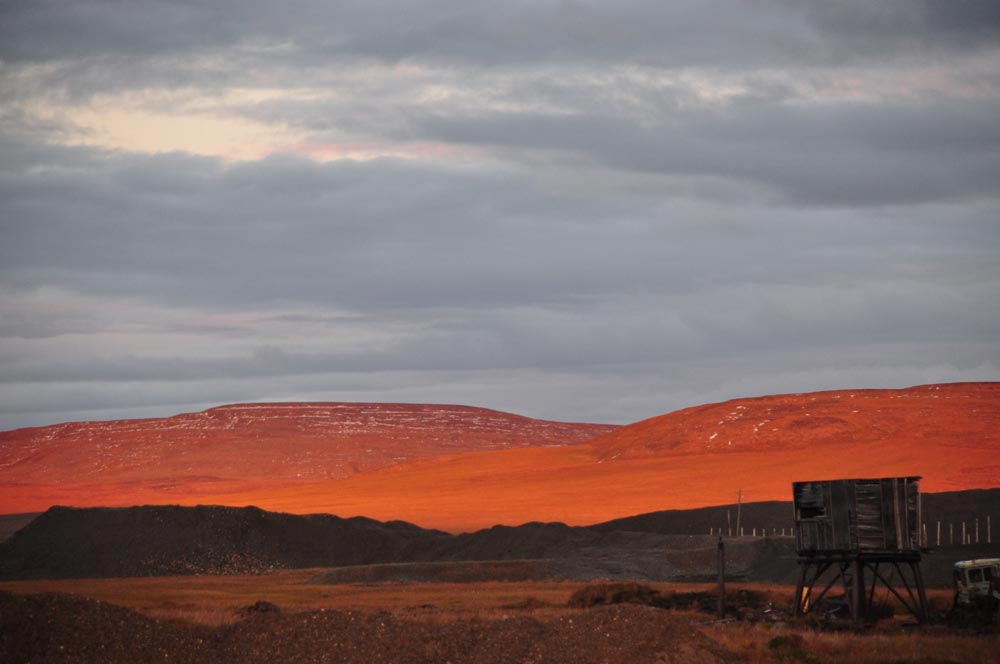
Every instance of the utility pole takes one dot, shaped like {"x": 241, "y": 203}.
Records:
{"x": 722, "y": 579}
{"x": 739, "y": 511}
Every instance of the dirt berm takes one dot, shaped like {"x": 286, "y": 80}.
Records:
{"x": 165, "y": 540}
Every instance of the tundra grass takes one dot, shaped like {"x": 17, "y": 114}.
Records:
{"x": 216, "y": 600}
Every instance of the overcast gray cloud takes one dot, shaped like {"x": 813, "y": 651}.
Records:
{"x": 690, "y": 32}
{"x": 575, "y": 210}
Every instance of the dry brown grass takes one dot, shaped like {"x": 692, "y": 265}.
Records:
{"x": 214, "y": 600}
{"x": 929, "y": 645}
{"x": 205, "y": 599}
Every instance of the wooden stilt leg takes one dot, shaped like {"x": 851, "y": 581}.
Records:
{"x": 799, "y": 587}
{"x": 858, "y": 591}
{"x": 923, "y": 617}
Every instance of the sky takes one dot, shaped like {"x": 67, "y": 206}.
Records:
{"x": 584, "y": 211}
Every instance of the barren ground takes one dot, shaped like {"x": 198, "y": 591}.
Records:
{"x": 209, "y": 618}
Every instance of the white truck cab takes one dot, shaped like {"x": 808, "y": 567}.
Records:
{"x": 974, "y": 580}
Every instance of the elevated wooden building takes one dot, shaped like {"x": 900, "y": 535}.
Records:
{"x": 856, "y": 530}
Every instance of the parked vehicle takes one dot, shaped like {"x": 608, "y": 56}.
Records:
{"x": 977, "y": 582}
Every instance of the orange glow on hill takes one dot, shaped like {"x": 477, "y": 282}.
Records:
{"x": 256, "y": 448}
{"x": 690, "y": 458}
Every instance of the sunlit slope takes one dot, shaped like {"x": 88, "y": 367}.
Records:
{"x": 425, "y": 463}
{"x": 691, "y": 458}
{"x": 255, "y": 448}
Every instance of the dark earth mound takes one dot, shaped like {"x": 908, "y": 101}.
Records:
{"x": 771, "y": 516}
{"x": 72, "y": 629}
{"x": 164, "y": 540}
{"x": 11, "y": 523}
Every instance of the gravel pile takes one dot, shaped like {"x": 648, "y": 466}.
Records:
{"x": 54, "y": 627}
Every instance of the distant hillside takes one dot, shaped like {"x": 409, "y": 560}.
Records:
{"x": 464, "y": 469}
{"x": 249, "y": 448}
{"x": 687, "y": 459}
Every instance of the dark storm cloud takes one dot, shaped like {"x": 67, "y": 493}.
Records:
{"x": 288, "y": 229}
{"x": 846, "y": 154}
{"x": 392, "y": 236}
{"x": 736, "y": 322}
{"x": 714, "y": 32}
{"x": 916, "y": 24}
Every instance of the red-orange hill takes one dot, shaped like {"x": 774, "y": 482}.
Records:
{"x": 247, "y": 449}
{"x": 690, "y": 458}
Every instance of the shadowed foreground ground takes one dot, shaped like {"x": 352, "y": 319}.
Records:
{"x": 465, "y": 624}
{"x": 53, "y": 627}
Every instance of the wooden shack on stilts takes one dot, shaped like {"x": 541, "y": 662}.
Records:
{"x": 853, "y": 531}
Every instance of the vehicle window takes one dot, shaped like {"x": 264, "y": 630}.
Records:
{"x": 988, "y": 573}
{"x": 975, "y": 576}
